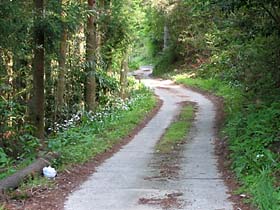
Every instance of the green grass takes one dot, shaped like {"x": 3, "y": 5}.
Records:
{"x": 177, "y": 132}
{"x": 233, "y": 97}
{"x": 12, "y": 168}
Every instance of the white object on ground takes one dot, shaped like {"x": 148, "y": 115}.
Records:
{"x": 49, "y": 172}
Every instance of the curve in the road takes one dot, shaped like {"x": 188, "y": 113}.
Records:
{"x": 132, "y": 179}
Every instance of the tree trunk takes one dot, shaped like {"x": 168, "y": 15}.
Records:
{"x": 49, "y": 92}
{"x": 123, "y": 77}
{"x": 38, "y": 72}
{"x": 101, "y": 8}
{"x": 8, "y": 56}
{"x": 62, "y": 70}
{"x": 90, "y": 86}
{"x": 165, "y": 37}
{"x": 79, "y": 39}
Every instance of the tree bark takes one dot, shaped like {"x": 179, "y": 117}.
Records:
{"x": 123, "y": 77}
{"x": 91, "y": 46}
{"x": 49, "y": 92}
{"x": 38, "y": 72}
{"x": 8, "y": 57}
{"x": 62, "y": 68}
{"x": 165, "y": 37}
{"x": 101, "y": 8}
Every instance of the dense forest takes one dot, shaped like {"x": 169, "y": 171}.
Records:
{"x": 58, "y": 58}
{"x": 64, "y": 79}
{"x": 64, "y": 63}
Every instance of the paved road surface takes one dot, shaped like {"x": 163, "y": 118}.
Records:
{"x": 138, "y": 178}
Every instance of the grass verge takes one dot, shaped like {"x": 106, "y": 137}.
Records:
{"x": 178, "y": 130}
{"x": 233, "y": 97}
{"x": 93, "y": 137}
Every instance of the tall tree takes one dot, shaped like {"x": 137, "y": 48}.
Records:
{"x": 101, "y": 8}
{"x": 123, "y": 76}
{"x": 38, "y": 71}
{"x": 80, "y": 37}
{"x": 91, "y": 45}
{"x": 62, "y": 62}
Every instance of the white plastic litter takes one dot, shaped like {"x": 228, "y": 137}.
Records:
{"x": 49, "y": 172}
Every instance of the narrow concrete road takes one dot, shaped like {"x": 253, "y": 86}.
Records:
{"x": 138, "y": 178}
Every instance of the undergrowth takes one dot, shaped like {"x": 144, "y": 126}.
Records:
{"x": 87, "y": 135}
{"x": 92, "y": 133}
{"x": 100, "y": 131}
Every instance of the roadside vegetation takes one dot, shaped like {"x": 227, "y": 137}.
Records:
{"x": 88, "y": 134}
{"x": 178, "y": 130}
{"x": 63, "y": 79}
{"x": 98, "y": 132}
{"x": 230, "y": 48}
{"x": 91, "y": 135}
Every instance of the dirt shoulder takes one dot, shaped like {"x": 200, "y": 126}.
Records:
{"x": 53, "y": 198}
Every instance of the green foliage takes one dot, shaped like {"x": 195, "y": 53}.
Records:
{"x": 178, "y": 130}
{"x": 261, "y": 126}
{"x": 232, "y": 47}
{"x": 263, "y": 190}
{"x": 187, "y": 23}
{"x": 141, "y": 54}
{"x": 11, "y": 166}
{"x": 268, "y": 10}
{"x": 235, "y": 47}
{"x": 165, "y": 61}
{"x": 233, "y": 97}
{"x": 4, "y": 160}
{"x": 13, "y": 21}
{"x": 119, "y": 27}
{"x": 16, "y": 135}
{"x": 253, "y": 66}
{"x": 106, "y": 84}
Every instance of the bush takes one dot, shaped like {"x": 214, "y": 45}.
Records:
{"x": 252, "y": 134}
{"x": 254, "y": 65}
{"x": 165, "y": 61}
{"x": 16, "y": 137}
